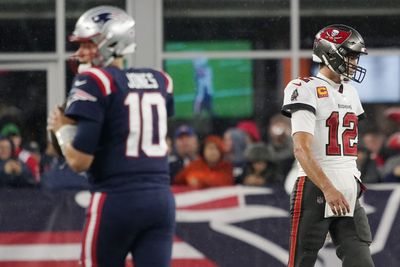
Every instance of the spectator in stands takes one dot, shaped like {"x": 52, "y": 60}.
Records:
{"x": 57, "y": 175}
{"x": 50, "y": 158}
{"x": 12, "y": 131}
{"x": 186, "y": 149}
{"x": 34, "y": 148}
{"x": 393, "y": 114}
{"x": 210, "y": 169}
{"x": 61, "y": 177}
{"x": 235, "y": 145}
{"x": 13, "y": 172}
{"x": 280, "y": 144}
{"x": 261, "y": 168}
{"x": 371, "y": 155}
{"x": 391, "y": 169}
{"x": 251, "y": 129}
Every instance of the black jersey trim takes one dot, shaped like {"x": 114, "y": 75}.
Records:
{"x": 287, "y": 110}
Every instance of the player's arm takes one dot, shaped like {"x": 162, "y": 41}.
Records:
{"x": 78, "y": 128}
{"x": 77, "y": 160}
{"x": 303, "y": 123}
{"x": 77, "y": 139}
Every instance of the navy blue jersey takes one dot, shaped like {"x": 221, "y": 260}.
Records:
{"x": 132, "y": 106}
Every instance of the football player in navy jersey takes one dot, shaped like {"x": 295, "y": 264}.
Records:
{"x": 114, "y": 127}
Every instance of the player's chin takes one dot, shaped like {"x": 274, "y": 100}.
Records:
{"x": 351, "y": 71}
{"x": 349, "y": 75}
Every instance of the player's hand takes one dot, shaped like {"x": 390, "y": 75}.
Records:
{"x": 57, "y": 119}
{"x": 336, "y": 201}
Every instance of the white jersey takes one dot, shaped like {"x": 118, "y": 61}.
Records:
{"x": 337, "y": 109}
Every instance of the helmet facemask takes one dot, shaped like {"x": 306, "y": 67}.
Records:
{"x": 354, "y": 71}
{"x": 342, "y": 65}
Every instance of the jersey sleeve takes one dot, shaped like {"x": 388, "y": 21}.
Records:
{"x": 88, "y": 93}
{"x": 297, "y": 96}
{"x": 303, "y": 121}
{"x": 87, "y": 136}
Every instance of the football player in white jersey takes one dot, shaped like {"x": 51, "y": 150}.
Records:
{"x": 324, "y": 112}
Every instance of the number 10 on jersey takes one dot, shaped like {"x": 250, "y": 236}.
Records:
{"x": 147, "y": 122}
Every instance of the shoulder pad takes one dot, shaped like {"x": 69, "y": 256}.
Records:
{"x": 102, "y": 78}
{"x": 300, "y": 83}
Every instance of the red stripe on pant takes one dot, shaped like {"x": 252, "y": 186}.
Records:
{"x": 91, "y": 232}
{"x": 295, "y": 220}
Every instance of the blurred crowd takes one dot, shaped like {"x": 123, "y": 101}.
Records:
{"x": 239, "y": 155}
{"x": 25, "y": 165}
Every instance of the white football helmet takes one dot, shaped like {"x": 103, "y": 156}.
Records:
{"x": 110, "y": 28}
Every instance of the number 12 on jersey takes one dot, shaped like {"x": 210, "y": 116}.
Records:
{"x": 349, "y": 135}
{"x": 147, "y": 121}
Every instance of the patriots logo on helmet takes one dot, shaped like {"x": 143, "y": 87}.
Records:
{"x": 102, "y": 18}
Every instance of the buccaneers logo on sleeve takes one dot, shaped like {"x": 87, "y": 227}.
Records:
{"x": 294, "y": 95}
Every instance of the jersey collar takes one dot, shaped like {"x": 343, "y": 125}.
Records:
{"x": 329, "y": 81}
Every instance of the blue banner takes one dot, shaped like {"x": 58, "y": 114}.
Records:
{"x": 226, "y": 226}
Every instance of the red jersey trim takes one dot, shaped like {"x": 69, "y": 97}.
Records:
{"x": 103, "y": 79}
{"x": 296, "y": 219}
